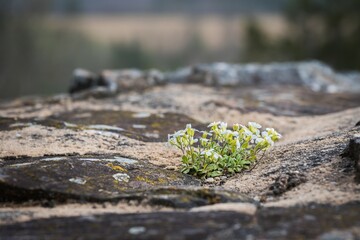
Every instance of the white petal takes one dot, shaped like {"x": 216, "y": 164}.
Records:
{"x": 254, "y": 124}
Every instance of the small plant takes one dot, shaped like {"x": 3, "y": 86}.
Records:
{"x": 221, "y": 151}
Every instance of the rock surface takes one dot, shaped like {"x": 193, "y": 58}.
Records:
{"x": 312, "y": 75}
{"x": 311, "y": 222}
{"x": 80, "y": 166}
{"x": 353, "y": 151}
{"x": 93, "y": 178}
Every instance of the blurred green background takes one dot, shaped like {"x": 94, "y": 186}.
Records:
{"x": 42, "y": 41}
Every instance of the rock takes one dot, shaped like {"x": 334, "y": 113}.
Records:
{"x": 313, "y": 75}
{"x": 92, "y": 178}
{"x": 266, "y": 223}
{"x": 337, "y": 235}
{"x": 155, "y": 77}
{"x": 210, "y": 180}
{"x": 154, "y": 127}
{"x": 88, "y": 83}
{"x": 82, "y": 80}
{"x": 285, "y": 182}
{"x": 190, "y": 197}
{"x": 104, "y": 178}
{"x": 137, "y": 230}
{"x": 246, "y": 208}
{"x": 353, "y": 151}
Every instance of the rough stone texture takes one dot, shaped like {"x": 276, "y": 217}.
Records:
{"x": 353, "y": 151}
{"x": 60, "y": 171}
{"x": 285, "y": 182}
{"x": 86, "y": 178}
{"x": 301, "y": 222}
{"x": 313, "y": 75}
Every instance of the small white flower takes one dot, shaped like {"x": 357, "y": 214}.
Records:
{"x": 206, "y": 152}
{"x": 269, "y": 140}
{"x": 254, "y": 124}
{"x": 264, "y": 134}
{"x": 247, "y": 132}
{"x": 223, "y": 125}
{"x": 225, "y": 132}
{"x": 188, "y": 126}
{"x": 178, "y": 133}
{"x": 170, "y": 137}
{"x": 216, "y": 155}
{"x": 238, "y": 145}
{"x": 235, "y": 134}
{"x": 254, "y": 138}
{"x": 272, "y": 131}
{"x": 213, "y": 124}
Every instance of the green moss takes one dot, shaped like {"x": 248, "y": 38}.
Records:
{"x": 116, "y": 167}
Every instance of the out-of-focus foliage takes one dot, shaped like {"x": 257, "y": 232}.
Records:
{"x": 328, "y": 30}
{"x": 37, "y": 59}
{"x": 130, "y": 56}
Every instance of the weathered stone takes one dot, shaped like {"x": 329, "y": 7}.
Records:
{"x": 104, "y": 178}
{"x": 93, "y": 178}
{"x": 285, "y": 182}
{"x": 91, "y": 84}
{"x": 246, "y": 208}
{"x": 210, "y": 180}
{"x": 82, "y": 80}
{"x": 297, "y": 222}
{"x": 313, "y": 75}
{"x": 154, "y": 127}
{"x": 189, "y": 197}
{"x": 353, "y": 151}
{"x": 87, "y": 84}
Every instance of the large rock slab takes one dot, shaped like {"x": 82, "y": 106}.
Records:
{"x": 82, "y": 177}
{"x": 300, "y": 222}
{"x": 313, "y": 75}
{"x": 104, "y": 178}
{"x": 142, "y": 126}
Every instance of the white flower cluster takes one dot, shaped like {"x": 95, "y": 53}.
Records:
{"x": 210, "y": 153}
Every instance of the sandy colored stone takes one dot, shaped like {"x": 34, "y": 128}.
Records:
{"x": 246, "y": 208}
{"x": 75, "y": 209}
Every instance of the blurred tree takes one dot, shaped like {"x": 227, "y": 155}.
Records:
{"x": 328, "y": 30}
{"x": 36, "y": 58}
{"x": 129, "y": 55}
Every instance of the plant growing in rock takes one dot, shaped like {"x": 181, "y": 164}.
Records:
{"x": 221, "y": 151}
